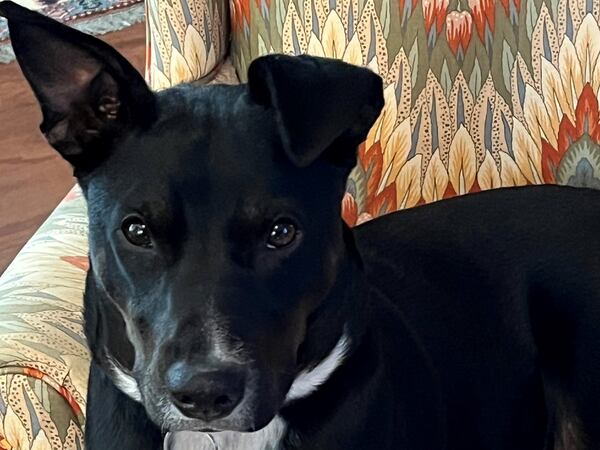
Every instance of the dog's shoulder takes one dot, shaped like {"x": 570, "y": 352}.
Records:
{"x": 450, "y": 250}
{"x": 514, "y": 212}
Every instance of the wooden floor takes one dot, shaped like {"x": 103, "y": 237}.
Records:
{"x": 33, "y": 178}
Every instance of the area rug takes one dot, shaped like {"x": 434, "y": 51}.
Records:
{"x": 91, "y": 16}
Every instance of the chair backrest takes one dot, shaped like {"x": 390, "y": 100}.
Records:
{"x": 479, "y": 94}
{"x": 186, "y": 39}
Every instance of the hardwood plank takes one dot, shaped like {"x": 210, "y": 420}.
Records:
{"x": 33, "y": 178}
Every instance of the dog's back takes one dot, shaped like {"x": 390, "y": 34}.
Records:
{"x": 503, "y": 290}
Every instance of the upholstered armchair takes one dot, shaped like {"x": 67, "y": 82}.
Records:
{"x": 478, "y": 95}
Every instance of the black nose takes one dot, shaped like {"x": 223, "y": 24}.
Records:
{"x": 203, "y": 392}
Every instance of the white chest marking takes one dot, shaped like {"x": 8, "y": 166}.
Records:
{"x": 308, "y": 381}
{"x": 126, "y": 383}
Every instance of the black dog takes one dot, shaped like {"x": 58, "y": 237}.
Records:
{"x": 226, "y": 296}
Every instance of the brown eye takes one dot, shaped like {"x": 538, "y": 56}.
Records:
{"x": 136, "y": 232}
{"x": 282, "y": 234}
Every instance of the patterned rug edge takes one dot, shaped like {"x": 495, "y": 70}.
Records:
{"x": 97, "y": 24}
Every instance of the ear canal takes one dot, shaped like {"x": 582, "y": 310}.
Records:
{"x": 323, "y": 107}
{"x": 87, "y": 91}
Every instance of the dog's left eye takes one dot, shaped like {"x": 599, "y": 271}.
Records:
{"x": 282, "y": 234}
{"x": 136, "y": 232}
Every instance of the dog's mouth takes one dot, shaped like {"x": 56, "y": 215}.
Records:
{"x": 218, "y": 430}
{"x": 256, "y": 409}
{"x": 239, "y": 425}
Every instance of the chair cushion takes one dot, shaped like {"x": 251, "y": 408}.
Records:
{"x": 479, "y": 94}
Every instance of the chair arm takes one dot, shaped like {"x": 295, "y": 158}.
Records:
{"x": 44, "y": 360}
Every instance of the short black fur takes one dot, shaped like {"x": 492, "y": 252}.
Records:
{"x": 473, "y": 323}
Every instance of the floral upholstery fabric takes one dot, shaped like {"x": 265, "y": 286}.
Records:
{"x": 479, "y": 94}
{"x": 186, "y": 40}
{"x": 43, "y": 356}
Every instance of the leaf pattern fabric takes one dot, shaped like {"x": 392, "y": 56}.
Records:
{"x": 186, "y": 40}
{"x": 479, "y": 94}
{"x": 43, "y": 355}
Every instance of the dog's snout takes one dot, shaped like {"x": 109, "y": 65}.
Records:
{"x": 205, "y": 392}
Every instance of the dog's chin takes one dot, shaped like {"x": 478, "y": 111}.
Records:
{"x": 244, "y": 419}
{"x": 239, "y": 427}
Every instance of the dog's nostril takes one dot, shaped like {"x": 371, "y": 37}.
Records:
{"x": 186, "y": 400}
{"x": 222, "y": 401}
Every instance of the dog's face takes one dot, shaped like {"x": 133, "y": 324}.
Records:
{"x": 217, "y": 249}
{"x": 215, "y": 228}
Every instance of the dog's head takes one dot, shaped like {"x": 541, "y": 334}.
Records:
{"x": 215, "y": 230}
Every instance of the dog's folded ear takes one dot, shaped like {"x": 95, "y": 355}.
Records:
{"x": 87, "y": 91}
{"x": 323, "y": 107}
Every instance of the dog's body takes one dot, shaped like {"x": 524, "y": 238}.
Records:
{"x": 227, "y": 307}
{"x": 472, "y": 323}
{"x": 502, "y": 290}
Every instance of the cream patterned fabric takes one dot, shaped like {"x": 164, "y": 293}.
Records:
{"x": 186, "y": 40}
{"x": 43, "y": 356}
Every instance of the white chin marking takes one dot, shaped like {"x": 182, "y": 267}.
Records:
{"x": 267, "y": 438}
{"x": 125, "y": 382}
{"x": 307, "y": 381}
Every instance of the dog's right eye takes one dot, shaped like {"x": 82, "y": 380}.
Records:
{"x": 136, "y": 231}
{"x": 282, "y": 234}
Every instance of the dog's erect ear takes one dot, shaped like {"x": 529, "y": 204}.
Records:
{"x": 322, "y": 106}
{"x": 87, "y": 91}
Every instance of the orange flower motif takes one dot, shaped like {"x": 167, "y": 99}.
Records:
{"x": 263, "y": 6}
{"x": 459, "y": 26}
{"x": 434, "y": 11}
{"x": 384, "y": 202}
{"x": 63, "y": 391}
{"x": 378, "y": 201}
{"x": 587, "y": 123}
{"x": 349, "y": 211}
{"x": 4, "y": 444}
{"x": 73, "y": 194}
{"x": 81, "y": 262}
{"x": 71, "y": 401}
{"x": 406, "y": 8}
{"x": 240, "y": 13}
{"x": 511, "y": 9}
{"x": 371, "y": 160}
{"x": 33, "y": 373}
{"x": 483, "y": 12}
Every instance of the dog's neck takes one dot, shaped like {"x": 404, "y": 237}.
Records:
{"x": 343, "y": 308}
